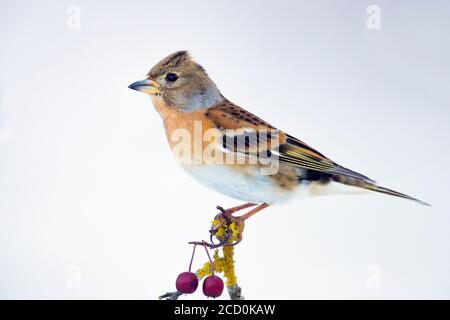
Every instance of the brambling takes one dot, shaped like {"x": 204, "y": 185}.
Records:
{"x": 247, "y": 158}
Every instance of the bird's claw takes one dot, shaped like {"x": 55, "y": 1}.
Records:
{"x": 226, "y": 219}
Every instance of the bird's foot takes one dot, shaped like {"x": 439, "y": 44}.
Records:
{"x": 226, "y": 229}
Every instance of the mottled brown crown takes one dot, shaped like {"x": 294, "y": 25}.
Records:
{"x": 180, "y": 61}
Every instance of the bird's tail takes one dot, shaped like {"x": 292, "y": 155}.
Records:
{"x": 376, "y": 188}
{"x": 372, "y": 186}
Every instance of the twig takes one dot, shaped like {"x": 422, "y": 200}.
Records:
{"x": 228, "y": 230}
{"x": 170, "y": 296}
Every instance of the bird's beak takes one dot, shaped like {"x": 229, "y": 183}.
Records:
{"x": 146, "y": 85}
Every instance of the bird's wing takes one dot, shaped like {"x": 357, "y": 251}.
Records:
{"x": 244, "y": 132}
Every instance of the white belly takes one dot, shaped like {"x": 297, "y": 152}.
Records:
{"x": 256, "y": 188}
{"x": 249, "y": 186}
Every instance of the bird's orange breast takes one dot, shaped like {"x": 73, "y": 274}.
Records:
{"x": 190, "y": 132}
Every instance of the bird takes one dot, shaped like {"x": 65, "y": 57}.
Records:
{"x": 263, "y": 165}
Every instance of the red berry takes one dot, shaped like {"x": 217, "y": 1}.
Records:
{"x": 212, "y": 286}
{"x": 187, "y": 282}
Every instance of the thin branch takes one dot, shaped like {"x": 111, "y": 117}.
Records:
{"x": 170, "y": 295}
{"x": 224, "y": 230}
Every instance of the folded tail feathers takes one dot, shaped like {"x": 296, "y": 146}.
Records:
{"x": 374, "y": 187}
{"x": 367, "y": 184}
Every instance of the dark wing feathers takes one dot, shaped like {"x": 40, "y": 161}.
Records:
{"x": 249, "y": 140}
{"x": 296, "y": 150}
{"x": 291, "y": 150}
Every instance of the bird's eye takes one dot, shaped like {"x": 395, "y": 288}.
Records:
{"x": 172, "y": 77}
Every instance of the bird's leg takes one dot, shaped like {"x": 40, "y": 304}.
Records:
{"x": 232, "y": 210}
{"x": 252, "y": 212}
{"x": 225, "y": 214}
{"x": 223, "y": 220}
{"x": 226, "y": 220}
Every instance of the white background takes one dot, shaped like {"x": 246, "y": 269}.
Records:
{"x": 93, "y": 206}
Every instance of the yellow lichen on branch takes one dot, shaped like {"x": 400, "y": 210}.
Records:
{"x": 228, "y": 230}
{"x": 225, "y": 263}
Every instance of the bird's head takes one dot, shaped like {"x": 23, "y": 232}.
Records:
{"x": 180, "y": 83}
